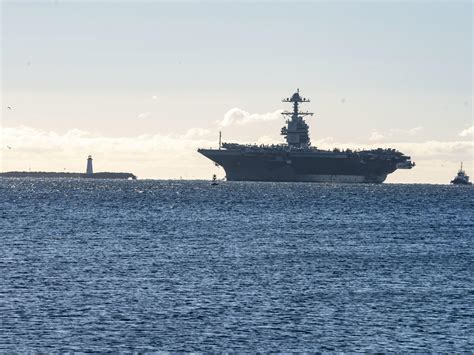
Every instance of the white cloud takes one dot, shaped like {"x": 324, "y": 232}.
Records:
{"x": 376, "y": 136}
{"x": 415, "y": 130}
{"x": 237, "y": 116}
{"x": 27, "y": 138}
{"x": 196, "y": 132}
{"x": 468, "y": 132}
{"x": 164, "y": 156}
{"x": 437, "y": 149}
{"x": 172, "y": 156}
{"x": 144, "y": 115}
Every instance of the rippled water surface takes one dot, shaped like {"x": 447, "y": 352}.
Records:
{"x": 178, "y": 265}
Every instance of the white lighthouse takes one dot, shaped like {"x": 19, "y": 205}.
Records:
{"x": 89, "y": 170}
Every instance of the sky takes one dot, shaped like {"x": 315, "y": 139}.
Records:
{"x": 140, "y": 85}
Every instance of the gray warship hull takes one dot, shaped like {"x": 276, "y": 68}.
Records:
{"x": 305, "y": 166}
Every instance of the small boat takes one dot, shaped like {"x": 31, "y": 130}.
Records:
{"x": 214, "y": 178}
{"x": 461, "y": 178}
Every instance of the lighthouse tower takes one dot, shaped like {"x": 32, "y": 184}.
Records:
{"x": 89, "y": 170}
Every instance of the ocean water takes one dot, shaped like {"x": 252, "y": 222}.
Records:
{"x": 98, "y": 265}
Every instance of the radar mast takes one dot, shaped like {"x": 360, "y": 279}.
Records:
{"x": 296, "y": 130}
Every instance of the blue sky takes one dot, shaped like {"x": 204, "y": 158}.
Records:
{"x": 376, "y": 71}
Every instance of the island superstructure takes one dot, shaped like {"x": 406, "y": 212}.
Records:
{"x": 297, "y": 160}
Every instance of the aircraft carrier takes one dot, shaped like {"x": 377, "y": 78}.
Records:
{"x": 297, "y": 160}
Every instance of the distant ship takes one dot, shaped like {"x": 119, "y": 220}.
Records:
{"x": 461, "y": 178}
{"x": 297, "y": 160}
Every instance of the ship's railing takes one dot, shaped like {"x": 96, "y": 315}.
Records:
{"x": 285, "y": 147}
{"x": 256, "y": 147}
